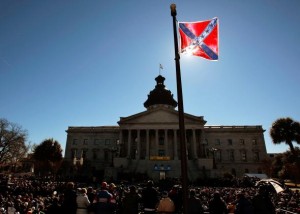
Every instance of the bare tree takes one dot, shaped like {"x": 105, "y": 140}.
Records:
{"x": 12, "y": 142}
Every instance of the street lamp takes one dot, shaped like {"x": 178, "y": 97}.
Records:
{"x": 213, "y": 150}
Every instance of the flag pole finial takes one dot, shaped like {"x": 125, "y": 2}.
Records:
{"x": 173, "y": 9}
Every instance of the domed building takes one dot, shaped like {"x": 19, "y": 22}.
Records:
{"x": 149, "y": 143}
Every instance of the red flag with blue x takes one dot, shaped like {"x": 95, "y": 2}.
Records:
{"x": 200, "y": 38}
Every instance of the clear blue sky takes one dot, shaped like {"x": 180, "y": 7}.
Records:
{"x": 88, "y": 63}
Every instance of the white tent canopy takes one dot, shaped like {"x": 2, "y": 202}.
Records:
{"x": 253, "y": 175}
{"x": 276, "y": 185}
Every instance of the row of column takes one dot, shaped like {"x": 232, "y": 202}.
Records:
{"x": 127, "y": 138}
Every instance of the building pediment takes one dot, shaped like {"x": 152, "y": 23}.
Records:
{"x": 160, "y": 115}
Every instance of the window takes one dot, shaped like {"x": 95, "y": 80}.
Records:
{"x": 244, "y": 156}
{"x": 242, "y": 142}
{"x": 161, "y": 152}
{"x": 218, "y": 155}
{"x": 217, "y": 142}
{"x": 97, "y": 142}
{"x": 107, "y": 142}
{"x": 231, "y": 155}
{"x": 95, "y": 155}
{"x": 75, "y": 141}
{"x": 106, "y": 156}
{"x": 254, "y": 142}
{"x": 229, "y": 142}
{"x": 85, "y": 142}
{"x": 74, "y": 152}
{"x": 233, "y": 172}
{"x": 207, "y": 152}
{"x": 84, "y": 154}
{"x": 256, "y": 156}
{"x": 161, "y": 141}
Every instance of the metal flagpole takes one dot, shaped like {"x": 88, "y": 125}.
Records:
{"x": 184, "y": 175}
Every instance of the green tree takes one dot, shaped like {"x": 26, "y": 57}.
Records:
{"x": 48, "y": 155}
{"x": 285, "y": 130}
{"x": 290, "y": 166}
{"x": 12, "y": 142}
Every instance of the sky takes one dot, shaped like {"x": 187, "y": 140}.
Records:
{"x": 87, "y": 63}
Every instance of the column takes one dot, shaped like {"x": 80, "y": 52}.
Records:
{"x": 202, "y": 144}
{"x": 194, "y": 148}
{"x": 121, "y": 143}
{"x": 166, "y": 143}
{"x": 175, "y": 145}
{"x": 156, "y": 141}
{"x": 129, "y": 144}
{"x": 147, "y": 144}
{"x": 138, "y": 144}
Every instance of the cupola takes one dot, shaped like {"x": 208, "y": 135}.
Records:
{"x": 160, "y": 95}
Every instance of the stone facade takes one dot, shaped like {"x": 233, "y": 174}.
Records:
{"x": 148, "y": 142}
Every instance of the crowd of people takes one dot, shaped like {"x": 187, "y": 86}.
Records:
{"x": 24, "y": 195}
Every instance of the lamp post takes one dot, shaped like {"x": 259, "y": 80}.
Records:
{"x": 213, "y": 150}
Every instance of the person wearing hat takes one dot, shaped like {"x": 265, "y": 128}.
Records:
{"x": 103, "y": 197}
{"x": 165, "y": 205}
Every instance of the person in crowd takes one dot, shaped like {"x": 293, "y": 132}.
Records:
{"x": 217, "y": 205}
{"x": 150, "y": 198}
{"x": 55, "y": 207}
{"x": 23, "y": 193}
{"x": 175, "y": 196}
{"x": 115, "y": 197}
{"x": 194, "y": 204}
{"x": 103, "y": 198}
{"x": 130, "y": 202}
{"x": 69, "y": 203}
{"x": 91, "y": 196}
{"x": 262, "y": 203}
{"x": 39, "y": 210}
{"x": 243, "y": 205}
{"x": 231, "y": 207}
{"x": 10, "y": 208}
{"x": 165, "y": 205}
{"x": 82, "y": 202}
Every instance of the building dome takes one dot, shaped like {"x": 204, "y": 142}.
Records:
{"x": 160, "y": 95}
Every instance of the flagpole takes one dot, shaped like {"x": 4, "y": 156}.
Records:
{"x": 184, "y": 175}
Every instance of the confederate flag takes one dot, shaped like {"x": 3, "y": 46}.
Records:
{"x": 200, "y": 38}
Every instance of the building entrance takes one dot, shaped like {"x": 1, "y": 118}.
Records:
{"x": 162, "y": 175}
